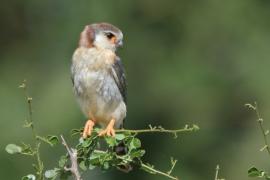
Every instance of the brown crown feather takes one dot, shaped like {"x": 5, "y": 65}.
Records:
{"x": 88, "y": 34}
{"x": 87, "y": 37}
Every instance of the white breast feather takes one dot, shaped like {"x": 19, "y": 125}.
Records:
{"x": 94, "y": 87}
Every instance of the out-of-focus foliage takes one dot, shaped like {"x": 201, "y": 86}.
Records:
{"x": 187, "y": 61}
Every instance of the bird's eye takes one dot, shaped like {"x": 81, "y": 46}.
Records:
{"x": 109, "y": 35}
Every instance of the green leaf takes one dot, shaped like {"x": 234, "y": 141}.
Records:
{"x": 76, "y": 131}
{"x": 111, "y": 141}
{"x": 29, "y": 177}
{"x": 119, "y": 137}
{"x": 27, "y": 150}
{"x": 253, "y": 172}
{"x": 91, "y": 167}
{"x": 88, "y": 141}
{"x": 13, "y": 149}
{"x": 50, "y": 139}
{"x": 134, "y": 143}
{"x": 95, "y": 158}
{"x": 51, "y": 173}
{"x": 95, "y": 155}
{"x": 62, "y": 162}
{"x": 53, "y": 139}
{"x": 137, "y": 153}
{"x": 83, "y": 166}
{"x": 106, "y": 166}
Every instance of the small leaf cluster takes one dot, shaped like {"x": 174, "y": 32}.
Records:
{"x": 122, "y": 152}
{"x": 29, "y": 150}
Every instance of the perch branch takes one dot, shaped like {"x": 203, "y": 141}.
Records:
{"x": 73, "y": 159}
{"x": 161, "y": 130}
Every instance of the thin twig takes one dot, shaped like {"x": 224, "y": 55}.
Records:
{"x": 73, "y": 159}
{"x": 154, "y": 171}
{"x": 173, "y": 162}
{"x": 161, "y": 130}
{"x": 216, "y": 175}
{"x": 260, "y": 121}
{"x": 217, "y": 169}
{"x": 30, "y": 123}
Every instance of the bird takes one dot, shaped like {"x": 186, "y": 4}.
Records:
{"x": 99, "y": 80}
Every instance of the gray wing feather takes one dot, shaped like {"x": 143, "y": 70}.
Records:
{"x": 118, "y": 73}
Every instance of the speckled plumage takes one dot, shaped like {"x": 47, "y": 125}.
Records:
{"x": 99, "y": 81}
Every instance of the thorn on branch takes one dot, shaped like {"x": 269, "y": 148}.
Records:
{"x": 73, "y": 159}
{"x": 173, "y": 163}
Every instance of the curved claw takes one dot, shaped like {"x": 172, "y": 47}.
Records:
{"x": 109, "y": 131}
{"x": 88, "y": 128}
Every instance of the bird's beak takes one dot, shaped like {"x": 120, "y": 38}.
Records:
{"x": 119, "y": 43}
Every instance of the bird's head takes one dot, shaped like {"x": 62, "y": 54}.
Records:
{"x": 101, "y": 35}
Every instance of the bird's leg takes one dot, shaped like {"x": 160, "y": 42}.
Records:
{"x": 109, "y": 131}
{"x": 88, "y": 128}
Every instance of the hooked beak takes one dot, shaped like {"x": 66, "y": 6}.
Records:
{"x": 119, "y": 43}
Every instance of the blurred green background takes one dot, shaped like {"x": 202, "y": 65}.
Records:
{"x": 187, "y": 61}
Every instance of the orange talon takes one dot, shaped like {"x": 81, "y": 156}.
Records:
{"x": 88, "y": 128}
{"x": 109, "y": 131}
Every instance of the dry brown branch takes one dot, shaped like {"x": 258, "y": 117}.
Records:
{"x": 74, "y": 169}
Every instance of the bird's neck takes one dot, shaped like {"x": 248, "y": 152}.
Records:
{"x": 96, "y": 58}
